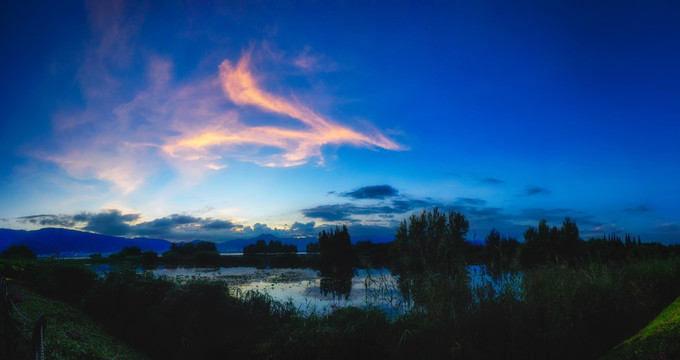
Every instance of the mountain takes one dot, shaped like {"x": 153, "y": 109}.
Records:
{"x": 51, "y": 241}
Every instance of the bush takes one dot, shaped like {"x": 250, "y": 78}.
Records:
{"x": 18, "y": 252}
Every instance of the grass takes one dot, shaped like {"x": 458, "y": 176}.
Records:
{"x": 658, "y": 340}
{"x": 69, "y": 333}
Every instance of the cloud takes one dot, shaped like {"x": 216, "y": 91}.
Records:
{"x": 177, "y": 224}
{"x": 470, "y": 201}
{"x": 109, "y": 222}
{"x": 491, "y": 181}
{"x": 335, "y": 212}
{"x": 48, "y": 220}
{"x": 372, "y": 192}
{"x": 139, "y": 120}
{"x": 305, "y": 60}
{"x": 219, "y": 225}
{"x": 294, "y": 145}
{"x": 535, "y": 190}
{"x": 308, "y": 62}
{"x": 669, "y": 228}
{"x": 404, "y": 205}
{"x": 303, "y": 229}
{"x": 351, "y": 212}
{"x": 640, "y": 209}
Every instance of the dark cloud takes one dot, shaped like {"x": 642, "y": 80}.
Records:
{"x": 535, "y": 190}
{"x": 372, "y": 192}
{"x": 303, "y": 229}
{"x": 335, "y": 212}
{"x": 345, "y": 212}
{"x": 211, "y": 224}
{"x": 470, "y": 201}
{"x": 162, "y": 225}
{"x": 640, "y": 209}
{"x": 401, "y": 206}
{"x": 491, "y": 181}
{"x": 49, "y": 220}
{"x": 261, "y": 229}
{"x": 181, "y": 223}
{"x": 109, "y": 222}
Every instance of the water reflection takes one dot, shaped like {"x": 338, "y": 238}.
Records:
{"x": 309, "y": 291}
{"x": 337, "y": 281}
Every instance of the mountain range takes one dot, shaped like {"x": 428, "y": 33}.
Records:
{"x": 73, "y": 243}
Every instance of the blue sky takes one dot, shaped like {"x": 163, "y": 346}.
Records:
{"x": 185, "y": 120}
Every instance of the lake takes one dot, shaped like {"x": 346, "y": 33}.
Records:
{"x": 309, "y": 292}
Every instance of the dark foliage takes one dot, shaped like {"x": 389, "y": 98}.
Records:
{"x": 197, "y": 320}
{"x": 274, "y": 247}
{"x": 430, "y": 260}
{"x": 18, "y": 252}
{"x": 204, "y": 252}
{"x": 313, "y": 248}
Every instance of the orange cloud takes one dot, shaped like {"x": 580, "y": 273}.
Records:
{"x": 298, "y": 145}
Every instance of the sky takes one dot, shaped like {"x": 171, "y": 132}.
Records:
{"x": 221, "y": 120}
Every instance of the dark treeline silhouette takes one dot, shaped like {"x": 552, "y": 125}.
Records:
{"x": 274, "y": 247}
{"x": 338, "y": 261}
{"x": 197, "y": 251}
{"x": 313, "y": 248}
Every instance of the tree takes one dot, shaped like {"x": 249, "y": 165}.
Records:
{"x": 18, "y": 252}
{"x": 313, "y": 248}
{"x": 429, "y": 250}
{"x": 338, "y": 261}
{"x": 545, "y": 244}
{"x": 432, "y": 242}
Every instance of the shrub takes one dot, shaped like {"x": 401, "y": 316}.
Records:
{"x": 19, "y": 252}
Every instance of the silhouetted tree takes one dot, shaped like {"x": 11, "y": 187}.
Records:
{"x": 274, "y": 247}
{"x": 338, "y": 260}
{"x": 429, "y": 249}
{"x": 546, "y": 244}
{"x": 500, "y": 251}
{"x": 313, "y": 248}
{"x": 18, "y": 252}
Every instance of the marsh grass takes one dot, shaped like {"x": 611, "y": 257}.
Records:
{"x": 382, "y": 293}
{"x": 558, "y": 312}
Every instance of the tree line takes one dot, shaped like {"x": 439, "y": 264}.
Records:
{"x": 261, "y": 247}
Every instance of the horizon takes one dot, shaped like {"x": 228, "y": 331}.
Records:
{"x": 223, "y": 122}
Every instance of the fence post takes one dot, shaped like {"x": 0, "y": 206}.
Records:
{"x": 38, "y": 340}
{"x": 7, "y": 333}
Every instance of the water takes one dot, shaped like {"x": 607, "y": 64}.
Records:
{"x": 482, "y": 284}
{"x": 307, "y": 291}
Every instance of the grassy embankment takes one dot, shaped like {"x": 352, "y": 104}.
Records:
{"x": 658, "y": 340}
{"x": 70, "y": 334}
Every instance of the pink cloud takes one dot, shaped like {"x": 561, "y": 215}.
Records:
{"x": 298, "y": 145}
{"x": 194, "y": 127}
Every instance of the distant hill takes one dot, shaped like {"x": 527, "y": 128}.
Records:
{"x": 51, "y": 241}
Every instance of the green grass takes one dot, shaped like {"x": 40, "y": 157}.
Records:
{"x": 69, "y": 334}
{"x": 658, "y": 340}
